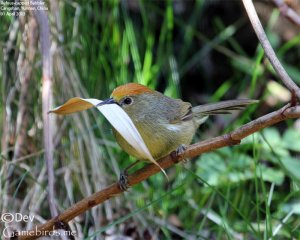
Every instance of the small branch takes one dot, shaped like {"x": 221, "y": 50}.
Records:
{"x": 47, "y": 97}
{"x": 289, "y": 83}
{"x": 233, "y": 138}
{"x": 288, "y": 12}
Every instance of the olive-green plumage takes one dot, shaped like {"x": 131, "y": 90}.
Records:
{"x": 164, "y": 123}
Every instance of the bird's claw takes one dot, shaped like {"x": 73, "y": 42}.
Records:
{"x": 181, "y": 150}
{"x": 178, "y": 154}
{"x": 123, "y": 181}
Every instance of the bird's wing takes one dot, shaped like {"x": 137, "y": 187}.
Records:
{"x": 183, "y": 112}
{"x": 223, "y": 107}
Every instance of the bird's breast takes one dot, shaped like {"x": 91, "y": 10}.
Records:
{"x": 160, "y": 138}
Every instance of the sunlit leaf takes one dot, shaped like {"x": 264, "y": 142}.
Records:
{"x": 294, "y": 206}
{"x": 292, "y": 165}
{"x": 270, "y": 174}
{"x": 291, "y": 139}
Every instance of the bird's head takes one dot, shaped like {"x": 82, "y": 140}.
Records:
{"x": 132, "y": 97}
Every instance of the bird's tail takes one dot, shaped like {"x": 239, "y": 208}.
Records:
{"x": 224, "y": 107}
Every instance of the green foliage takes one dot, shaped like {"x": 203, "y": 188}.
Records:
{"x": 250, "y": 191}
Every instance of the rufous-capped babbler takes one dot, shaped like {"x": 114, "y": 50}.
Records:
{"x": 163, "y": 122}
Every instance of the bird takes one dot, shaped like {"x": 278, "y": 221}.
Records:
{"x": 165, "y": 124}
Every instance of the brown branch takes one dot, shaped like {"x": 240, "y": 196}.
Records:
{"x": 233, "y": 138}
{"x": 47, "y": 97}
{"x": 289, "y": 83}
{"x": 288, "y": 12}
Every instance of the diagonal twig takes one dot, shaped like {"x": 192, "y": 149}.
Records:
{"x": 233, "y": 138}
{"x": 288, "y": 12}
{"x": 289, "y": 83}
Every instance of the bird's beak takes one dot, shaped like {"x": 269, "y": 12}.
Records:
{"x": 107, "y": 101}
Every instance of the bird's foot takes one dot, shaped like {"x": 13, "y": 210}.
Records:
{"x": 123, "y": 181}
{"x": 178, "y": 154}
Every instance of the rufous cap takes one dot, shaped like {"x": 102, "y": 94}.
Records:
{"x": 129, "y": 89}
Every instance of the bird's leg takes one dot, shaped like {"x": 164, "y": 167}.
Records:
{"x": 178, "y": 154}
{"x": 123, "y": 180}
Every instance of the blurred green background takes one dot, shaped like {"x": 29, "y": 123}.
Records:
{"x": 200, "y": 51}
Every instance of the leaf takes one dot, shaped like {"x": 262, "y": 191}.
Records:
{"x": 292, "y": 165}
{"x": 291, "y": 139}
{"x": 294, "y": 206}
{"x": 274, "y": 142}
{"x": 233, "y": 168}
{"x": 270, "y": 175}
{"x": 211, "y": 168}
{"x": 117, "y": 117}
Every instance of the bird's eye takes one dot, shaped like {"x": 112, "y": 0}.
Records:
{"x": 127, "y": 101}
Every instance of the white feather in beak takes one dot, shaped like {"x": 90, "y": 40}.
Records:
{"x": 117, "y": 117}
